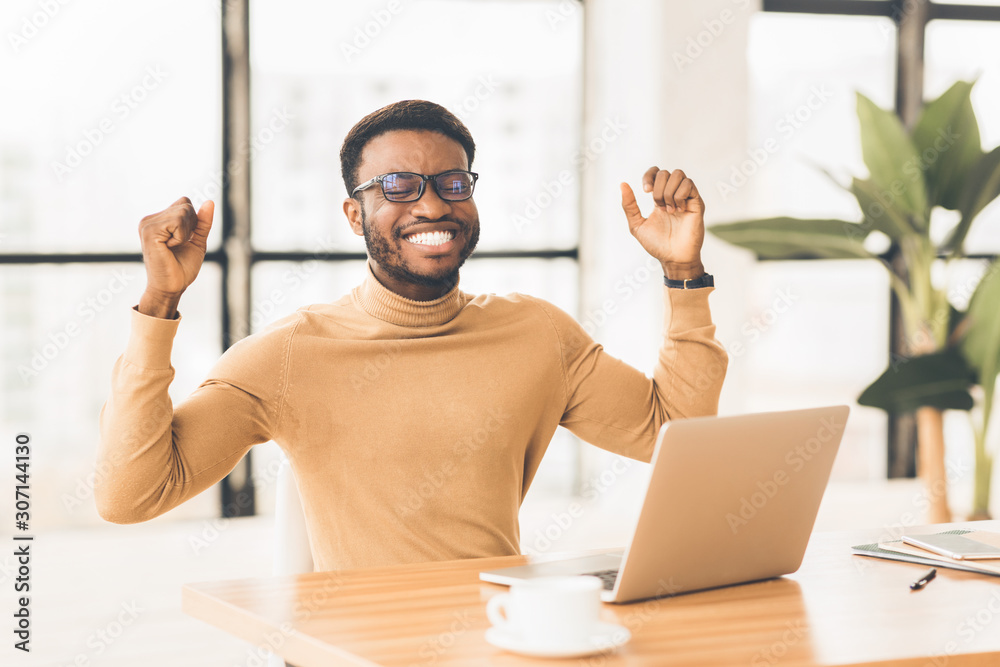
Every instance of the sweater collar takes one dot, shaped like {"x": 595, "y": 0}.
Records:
{"x": 382, "y": 303}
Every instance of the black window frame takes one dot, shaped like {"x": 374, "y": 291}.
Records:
{"x": 911, "y": 18}
{"x": 236, "y": 256}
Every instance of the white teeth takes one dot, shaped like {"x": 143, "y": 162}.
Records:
{"x": 431, "y": 238}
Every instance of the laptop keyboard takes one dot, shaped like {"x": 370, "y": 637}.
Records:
{"x": 606, "y": 576}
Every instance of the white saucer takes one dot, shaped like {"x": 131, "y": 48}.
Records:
{"x": 605, "y": 637}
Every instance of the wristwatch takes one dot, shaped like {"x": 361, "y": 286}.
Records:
{"x": 705, "y": 280}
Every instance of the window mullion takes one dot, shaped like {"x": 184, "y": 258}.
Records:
{"x": 238, "y": 497}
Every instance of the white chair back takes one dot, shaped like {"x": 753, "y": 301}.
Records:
{"x": 292, "y": 554}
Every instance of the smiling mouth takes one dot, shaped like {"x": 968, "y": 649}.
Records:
{"x": 430, "y": 238}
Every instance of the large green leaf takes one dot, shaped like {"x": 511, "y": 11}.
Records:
{"x": 887, "y": 219}
{"x": 981, "y": 344}
{"x": 946, "y": 137}
{"x": 792, "y": 238}
{"x": 939, "y": 380}
{"x": 892, "y": 160}
{"x": 981, "y": 187}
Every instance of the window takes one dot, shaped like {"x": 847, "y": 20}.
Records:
{"x": 855, "y": 46}
{"x": 88, "y": 146}
{"x": 348, "y": 61}
{"x": 124, "y": 132}
{"x": 807, "y": 313}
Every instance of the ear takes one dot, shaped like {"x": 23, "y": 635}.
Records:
{"x": 352, "y": 209}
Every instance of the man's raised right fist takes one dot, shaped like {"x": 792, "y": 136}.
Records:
{"x": 173, "y": 249}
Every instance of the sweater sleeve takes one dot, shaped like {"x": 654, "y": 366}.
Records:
{"x": 620, "y": 409}
{"x": 153, "y": 457}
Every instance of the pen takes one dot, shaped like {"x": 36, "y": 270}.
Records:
{"x": 922, "y": 581}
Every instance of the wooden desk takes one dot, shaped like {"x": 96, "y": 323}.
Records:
{"x": 838, "y": 609}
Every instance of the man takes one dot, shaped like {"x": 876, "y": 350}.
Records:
{"x": 430, "y": 457}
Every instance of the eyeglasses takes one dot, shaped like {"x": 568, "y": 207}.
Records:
{"x": 455, "y": 185}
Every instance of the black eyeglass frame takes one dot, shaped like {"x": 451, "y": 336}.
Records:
{"x": 380, "y": 179}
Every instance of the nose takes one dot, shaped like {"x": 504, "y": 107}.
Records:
{"x": 430, "y": 205}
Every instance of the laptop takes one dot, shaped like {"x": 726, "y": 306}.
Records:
{"x": 730, "y": 500}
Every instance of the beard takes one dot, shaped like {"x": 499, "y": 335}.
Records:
{"x": 385, "y": 251}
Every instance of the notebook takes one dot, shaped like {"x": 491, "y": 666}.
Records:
{"x": 898, "y": 550}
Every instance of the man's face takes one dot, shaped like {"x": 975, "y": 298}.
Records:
{"x": 403, "y": 257}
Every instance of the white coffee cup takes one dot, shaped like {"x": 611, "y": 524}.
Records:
{"x": 549, "y": 611}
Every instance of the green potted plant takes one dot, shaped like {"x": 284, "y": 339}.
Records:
{"x": 940, "y": 162}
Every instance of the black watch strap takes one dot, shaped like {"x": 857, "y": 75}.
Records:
{"x": 705, "y": 280}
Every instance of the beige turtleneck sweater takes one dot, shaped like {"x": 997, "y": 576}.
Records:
{"x": 414, "y": 428}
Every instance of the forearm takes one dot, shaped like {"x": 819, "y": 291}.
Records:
{"x": 692, "y": 364}
{"x": 154, "y": 457}
{"x": 619, "y": 408}
{"x": 136, "y": 455}
{"x": 136, "y": 428}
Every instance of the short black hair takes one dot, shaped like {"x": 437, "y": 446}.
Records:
{"x": 404, "y": 115}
